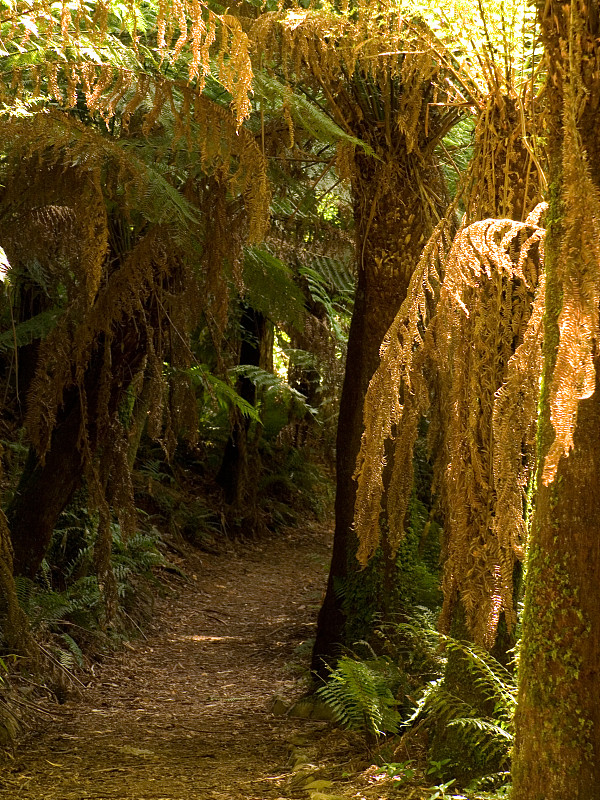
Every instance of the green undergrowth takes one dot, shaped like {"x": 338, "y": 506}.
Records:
{"x": 65, "y": 604}
{"x": 398, "y": 700}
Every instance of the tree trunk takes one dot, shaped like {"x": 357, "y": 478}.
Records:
{"x": 46, "y": 487}
{"x": 256, "y": 350}
{"x": 43, "y": 492}
{"x": 557, "y": 745}
{"x": 393, "y": 221}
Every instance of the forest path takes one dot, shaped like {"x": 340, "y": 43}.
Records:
{"x": 184, "y": 713}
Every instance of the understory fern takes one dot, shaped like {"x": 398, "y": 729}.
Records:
{"x": 360, "y": 697}
{"x": 491, "y": 736}
{"x": 67, "y": 617}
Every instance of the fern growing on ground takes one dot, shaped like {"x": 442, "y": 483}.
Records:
{"x": 490, "y": 737}
{"x": 359, "y": 694}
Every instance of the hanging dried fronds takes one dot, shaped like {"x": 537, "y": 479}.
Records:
{"x": 578, "y": 266}
{"x": 458, "y": 348}
{"x": 58, "y": 51}
{"x": 59, "y": 139}
{"x": 375, "y": 74}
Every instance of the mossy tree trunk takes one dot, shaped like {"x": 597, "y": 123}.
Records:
{"x": 557, "y": 746}
{"x": 393, "y": 219}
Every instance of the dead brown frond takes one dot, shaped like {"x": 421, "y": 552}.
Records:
{"x": 458, "y": 348}
{"x": 578, "y": 266}
{"x": 76, "y": 53}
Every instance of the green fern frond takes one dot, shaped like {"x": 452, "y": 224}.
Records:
{"x": 28, "y": 331}
{"x": 270, "y": 288}
{"x": 491, "y": 677}
{"x": 360, "y": 698}
{"x": 440, "y": 705}
{"x": 73, "y": 649}
{"x": 336, "y": 273}
{"x": 305, "y": 114}
{"x": 330, "y": 283}
{"x": 221, "y": 392}
{"x": 273, "y": 385}
{"x": 487, "y": 733}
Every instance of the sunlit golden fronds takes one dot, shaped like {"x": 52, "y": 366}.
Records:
{"x": 458, "y": 350}
{"x": 383, "y": 414}
{"x": 578, "y": 265}
{"x": 105, "y": 51}
{"x": 58, "y": 139}
{"x": 490, "y": 46}
{"x": 371, "y": 67}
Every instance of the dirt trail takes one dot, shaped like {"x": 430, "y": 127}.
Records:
{"x": 185, "y": 713}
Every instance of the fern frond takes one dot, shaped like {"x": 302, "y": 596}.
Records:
{"x": 273, "y": 385}
{"x": 305, "y": 114}
{"x": 221, "y": 392}
{"x": 360, "y": 697}
{"x": 270, "y": 288}
{"x": 28, "y": 331}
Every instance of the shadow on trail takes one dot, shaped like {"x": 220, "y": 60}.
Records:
{"x": 184, "y": 714}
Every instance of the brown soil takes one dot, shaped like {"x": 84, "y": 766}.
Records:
{"x": 185, "y": 713}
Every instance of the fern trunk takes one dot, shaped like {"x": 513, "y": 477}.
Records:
{"x": 557, "y": 747}
{"x": 392, "y": 219}
{"x": 46, "y": 487}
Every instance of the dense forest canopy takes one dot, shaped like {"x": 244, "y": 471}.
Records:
{"x": 242, "y": 246}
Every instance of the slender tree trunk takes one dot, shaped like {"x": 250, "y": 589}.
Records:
{"x": 393, "y": 221}
{"x": 257, "y": 351}
{"x": 557, "y": 745}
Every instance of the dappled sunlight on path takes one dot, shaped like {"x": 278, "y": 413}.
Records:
{"x": 184, "y": 714}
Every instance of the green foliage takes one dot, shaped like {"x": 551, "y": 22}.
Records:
{"x": 330, "y": 282}
{"x": 399, "y": 771}
{"x": 220, "y": 393}
{"x": 136, "y": 556}
{"x": 389, "y": 589}
{"x": 291, "y": 485}
{"x": 455, "y": 152}
{"x": 306, "y": 114}
{"x": 26, "y": 332}
{"x": 270, "y": 288}
{"x": 489, "y": 738}
{"x": 359, "y": 694}
{"x": 441, "y": 792}
{"x": 65, "y": 606}
{"x": 276, "y": 397}
{"x": 4, "y": 265}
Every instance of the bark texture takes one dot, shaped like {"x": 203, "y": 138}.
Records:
{"x": 393, "y": 220}
{"x": 557, "y": 750}
{"x": 557, "y": 747}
